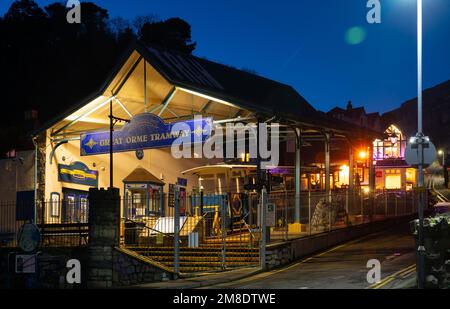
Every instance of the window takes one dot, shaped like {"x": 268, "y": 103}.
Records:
{"x": 392, "y": 147}
{"x": 83, "y": 210}
{"x": 55, "y": 204}
{"x": 393, "y": 181}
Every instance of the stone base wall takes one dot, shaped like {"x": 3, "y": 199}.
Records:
{"x": 437, "y": 251}
{"x": 131, "y": 269}
{"x": 51, "y": 269}
{"x": 108, "y": 265}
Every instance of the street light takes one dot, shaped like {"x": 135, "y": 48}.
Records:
{"x": 442, "y": 153}
{"x": 420, "y": 138}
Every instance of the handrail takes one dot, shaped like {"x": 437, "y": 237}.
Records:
{"x": 149, "y": 228}
{"x": 440, "y": 196}
{"x": 247, "y": 226}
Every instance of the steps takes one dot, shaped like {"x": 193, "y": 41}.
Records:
{"x": 207, "y": 257}
{"x": 442, "y": 198}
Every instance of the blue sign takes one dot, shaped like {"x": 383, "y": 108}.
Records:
{"x": 182, "y": 182}
{"x": 78, "y": 173}
{"x": 145, "y": 131}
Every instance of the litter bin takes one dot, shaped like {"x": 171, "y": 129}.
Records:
{"x": 132, "y": 232}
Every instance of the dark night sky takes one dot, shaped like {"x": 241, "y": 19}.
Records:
{"x": 303, "y": 43}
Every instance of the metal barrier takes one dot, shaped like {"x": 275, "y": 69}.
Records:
{"x": 196, "y": 233}
{"x": 62, "y": 223}
{"x": 321, "y": 213}
{"x": 210, "y": 232}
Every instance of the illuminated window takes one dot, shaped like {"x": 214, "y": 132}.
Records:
{"x": 392, "y": 147}
{"x": 393, "y": 181}
{"x": 343, "y": 175}
{"x": 411, "y": 175}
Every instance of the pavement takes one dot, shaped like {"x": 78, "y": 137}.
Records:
{"x": 341, "y": 267}
{"x": 344, "y": 266}
{"x": 203, "y": 280}
{"x": 403, "y": 279}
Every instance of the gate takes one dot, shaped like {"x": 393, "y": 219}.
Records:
{"x": 195, "y": 233}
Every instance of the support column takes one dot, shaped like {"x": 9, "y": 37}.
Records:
{"x": 104, "y": 235}
{"x": 176, "y": 234}
{"x": 327, "y": 167}
{"x": 145, "y": 87}
{"x": 351, "y": 171}
{"x": 297, "y": 174}
{"x": 351, "y": 178}
{"x": 371, "y": 182}
{"x": 371, "y": 171}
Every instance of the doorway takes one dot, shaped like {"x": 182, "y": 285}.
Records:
{"x": 75, "y": 206}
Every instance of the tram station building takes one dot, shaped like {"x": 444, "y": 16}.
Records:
{"x": 322, "y": 180}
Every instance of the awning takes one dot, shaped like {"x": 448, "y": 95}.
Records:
{"x": 141, "y": 175}
{"x": 217, "y": 168}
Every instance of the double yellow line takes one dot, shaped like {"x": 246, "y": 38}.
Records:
{"x": 398, "y": 275}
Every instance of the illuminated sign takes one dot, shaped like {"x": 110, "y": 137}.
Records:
{"x": 77, "y": 173}
{"x": 144, "y": 131}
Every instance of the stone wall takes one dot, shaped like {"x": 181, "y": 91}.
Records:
{"x": 104, "y": 221}
{"x": 131, "y": 269}
{"x": 108, "y": 264}
{"x": 51, "y": 269}
{"x": 437, "y": 251}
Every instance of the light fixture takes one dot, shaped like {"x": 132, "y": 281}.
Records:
{"x": 362, "y": 154}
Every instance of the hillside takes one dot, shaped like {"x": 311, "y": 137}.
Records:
{"x": 436, "y": 115}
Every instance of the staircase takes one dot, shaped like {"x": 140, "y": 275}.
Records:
{"x": 441, "y": 197}
{"x": 207, "y": 257}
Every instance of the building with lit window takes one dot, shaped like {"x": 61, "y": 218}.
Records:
{"x": 391, "y": 170}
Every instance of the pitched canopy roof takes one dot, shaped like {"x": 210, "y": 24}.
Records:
{"x": 240, "y": 87}
{"x": 141, "y": 175}
{"x": 231, "y": 92}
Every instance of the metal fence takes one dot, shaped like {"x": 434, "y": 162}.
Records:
{"x": 62, "y": 223}
{"x": 196, "y": 232}
{"x": 209, "y": 232}
{"x": 319, "y": 212}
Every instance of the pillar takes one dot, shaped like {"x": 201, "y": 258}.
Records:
{"x": 327, "y": 167}
{"x": 371, "y": 171}
{"x": 351, "y": 178}
{"x": 297, "y": 174}
{"x": 104, "y": 235}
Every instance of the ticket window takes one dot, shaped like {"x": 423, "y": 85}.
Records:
{"x": 143, "y": 200}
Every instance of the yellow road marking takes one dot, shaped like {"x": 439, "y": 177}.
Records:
{"x": 399, "y": 274}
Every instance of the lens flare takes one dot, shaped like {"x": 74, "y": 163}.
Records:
{"x": 355, "y": 35}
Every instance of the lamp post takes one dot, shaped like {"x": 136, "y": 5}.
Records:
{"x": 443, "y": 153}
{"x": 420, "y": 139}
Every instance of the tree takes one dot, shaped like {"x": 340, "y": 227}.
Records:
{"x": 22, "y": 10}
{"x": 174, "y": 33}
{"x": 48, "y": 64}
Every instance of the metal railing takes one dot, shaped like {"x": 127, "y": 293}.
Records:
{"x": 61, "y": 223}
{"x": 320, "y": 212}
{"x": 212, "y": 235}
{"x": 214, "y": 231}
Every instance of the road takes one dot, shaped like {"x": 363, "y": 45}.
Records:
{"x": 342, "y": 267}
